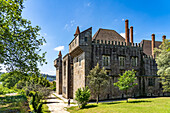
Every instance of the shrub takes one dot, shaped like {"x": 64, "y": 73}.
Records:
{"x": 82, "y": 96}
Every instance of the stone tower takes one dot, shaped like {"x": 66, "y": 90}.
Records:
{"x": 58, "y": 65}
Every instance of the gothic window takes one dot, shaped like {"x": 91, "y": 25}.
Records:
{"x": 151, "y": 81}
{"x": 121, "y": 60}
{"x": 102, "y": 41}
{"x": 134, "y": 61}
{"x": 106, "y": 60}
{"x": 97, "y": 41}
{"x": 64, "y": 70}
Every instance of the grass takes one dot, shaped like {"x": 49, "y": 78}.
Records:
{"x": 45, "y": 109}
{"x": 13, "y": 104}
{"x": 148, "y": 105}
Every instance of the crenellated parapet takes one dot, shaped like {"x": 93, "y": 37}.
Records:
{"x": 115, "y": 43}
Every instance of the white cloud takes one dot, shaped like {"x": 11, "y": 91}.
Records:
{"x": 59, "y": 48}
{"x": 69, "y": 25}
{"x": 122, "y": 34}
{"x": 88, "y": 4}
{"x": 123, "y": 19}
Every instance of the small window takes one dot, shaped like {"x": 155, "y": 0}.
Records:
{"x": 97, "y": 41}
{"x": 102, "y": 41}
{"x": 121, "y": 60}
{"x": 106, "y": 60}
{"x": 79, "y": 61}
{"x": 85, "y": 39}
{"x": 134, "y": 61}
{"x": 108, "y": 42}
{"x": 75, "y": 41}
{"x": 151, "y": 81}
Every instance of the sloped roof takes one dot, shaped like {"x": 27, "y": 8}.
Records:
{"x": 147, "y": 46}
{"x": 109, "y": 35}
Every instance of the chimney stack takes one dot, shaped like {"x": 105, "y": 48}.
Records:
{"x": 163, "y": 38}
{"x": 131, "y": 34}
{"x": 153, "y": 44}
{"x": 127, "y": 32}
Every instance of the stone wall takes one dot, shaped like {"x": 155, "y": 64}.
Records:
{"x": 79, "y": 72}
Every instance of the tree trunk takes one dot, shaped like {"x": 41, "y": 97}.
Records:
{"x": 126, "y": 96}
{"x": 97, "y": 99}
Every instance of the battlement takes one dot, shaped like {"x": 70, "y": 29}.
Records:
{"x": 116, "y": 43}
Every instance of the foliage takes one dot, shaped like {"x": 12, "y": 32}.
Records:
{"x": 149, "y": 105}
{"x": 10, "y": 79}
{"x": 5, "y": 90}
{"x": 82, "y": 96}
{"x": 163, "y": 64}
{"x": 98, "y": 80}
{"x": 126, "y": 81}
{"x": 19, "y": 41}
{"x": 35, "y": 102}
{"x": 54, "y": 86}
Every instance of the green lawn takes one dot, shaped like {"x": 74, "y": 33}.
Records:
{"x": 148, "y": 105}
{"x": 13, "y": 104}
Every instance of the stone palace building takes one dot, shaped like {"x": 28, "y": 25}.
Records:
{"x": 113, "y": 52}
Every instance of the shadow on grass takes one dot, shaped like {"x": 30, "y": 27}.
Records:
{"x": 89, "y": 106}
{"x": 51, "y": 98}
{"x": 140, "y": 101}
{"x": 109, "y": 103}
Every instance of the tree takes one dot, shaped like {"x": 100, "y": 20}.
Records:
{"x": 82, "y": 96}
{"x": 163, "y": 64}
{"x": 10, "y": 79}
{"x": 126, "y": 81}
{"x": 98, "y": 80}
{"x": 19, "y": 41}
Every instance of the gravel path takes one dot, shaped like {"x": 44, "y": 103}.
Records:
{"x": 56, "y": 105}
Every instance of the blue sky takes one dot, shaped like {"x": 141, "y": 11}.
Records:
{"x": 58, "y": 20}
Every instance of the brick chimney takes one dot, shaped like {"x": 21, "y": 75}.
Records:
{"x": 163, "y": 38}
{"x": 131, "y": 34}
{"x": 126, "y": 32}
{"x": 153, "y": 45}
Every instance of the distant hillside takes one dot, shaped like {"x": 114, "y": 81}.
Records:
{"x": 50, "y": 77}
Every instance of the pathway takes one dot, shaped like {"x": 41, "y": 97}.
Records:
{"x": 57, "y": 105}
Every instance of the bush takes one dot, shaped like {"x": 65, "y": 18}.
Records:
{"x": 82, "y": 96}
